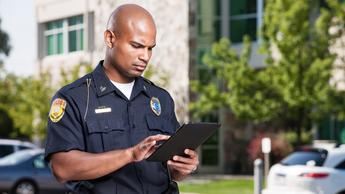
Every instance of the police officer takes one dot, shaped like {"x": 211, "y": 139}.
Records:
{"x": 102, "y": 127}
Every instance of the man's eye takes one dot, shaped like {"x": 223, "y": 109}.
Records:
{"x": 136, "y": 46}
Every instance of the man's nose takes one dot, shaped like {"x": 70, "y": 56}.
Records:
{"x": 145, "y": 55}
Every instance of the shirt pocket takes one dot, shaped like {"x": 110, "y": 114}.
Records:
{"x": 159, "y": 125}
{"x": 105, "y": 135}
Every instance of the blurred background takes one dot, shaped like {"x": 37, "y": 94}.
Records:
{"x": 262, "y": 68}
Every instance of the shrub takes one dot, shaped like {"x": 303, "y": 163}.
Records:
{"x": 279, "y": 147}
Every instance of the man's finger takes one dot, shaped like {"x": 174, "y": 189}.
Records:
{"x": 158, "y": 137}
{"x": 182, "y": 167}
{"x": 185, "y": 160}
{"x": 191, "y": 153}
{"x": 146, "y": 146}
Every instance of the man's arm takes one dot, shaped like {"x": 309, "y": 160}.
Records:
{"x": 79, "y": 165}
{"x": 181, "y": 167}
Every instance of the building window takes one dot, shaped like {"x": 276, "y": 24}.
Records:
{"x": 64, "y": 36}
{"x": 209, "y": 30}
{"x": 54, "y": 37}
{"x": 75, "y": 33}
{"x": 210, "y": 149}
{"x": 243, "y": 20}
{"x": 209, "y": 21}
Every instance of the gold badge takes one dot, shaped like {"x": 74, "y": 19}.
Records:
{"x": 57, "y": 110}
{"x": 155, "y": 106}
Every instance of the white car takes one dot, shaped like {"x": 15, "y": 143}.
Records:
{"x": 309, "y": 171}
{"x": 8, "y": 146}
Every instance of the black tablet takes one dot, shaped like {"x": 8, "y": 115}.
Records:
{"x": 189, "y": 136}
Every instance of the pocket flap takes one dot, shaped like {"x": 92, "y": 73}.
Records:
{"x": 104, "y": 126}
{"x": 157, "y": 124}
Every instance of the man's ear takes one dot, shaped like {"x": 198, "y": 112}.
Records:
{"x": 108, "y": 38}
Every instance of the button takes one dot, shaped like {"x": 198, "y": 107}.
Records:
{"x": 102, "y": 88}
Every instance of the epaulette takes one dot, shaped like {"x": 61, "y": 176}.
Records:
{"x": 149, "y": 81}
{"x": 76, "y": 83}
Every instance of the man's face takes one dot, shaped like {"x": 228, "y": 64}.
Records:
{"x": 133, "y": 49}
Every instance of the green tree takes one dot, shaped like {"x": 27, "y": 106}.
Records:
{"x": 4, "y": 43}
{"x": 68, "y": 76}
{"x": 6, "y": 98}
{"x": 300, "y": 31}
{"x": 27, "y": 100}
{"x": 158, "y": 76}
{"x": 29, "y": 106}
{"x": 294, "y": 88}
{"x": 33, "y": 102}
{"x": 6, "y": 122}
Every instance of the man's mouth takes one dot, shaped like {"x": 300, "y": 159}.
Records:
{"x": 140, "y": 67}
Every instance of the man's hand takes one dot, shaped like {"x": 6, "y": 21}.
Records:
{"x": 146, "y": 147}
{"x": 181, "y": 166}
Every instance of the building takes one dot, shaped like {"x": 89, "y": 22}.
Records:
{"x": 71, "y": 32}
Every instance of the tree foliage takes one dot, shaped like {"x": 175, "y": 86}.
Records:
{"x": 30, "y": 105}
{"x": 68, "y": 76}
{"x": 6, "y": 100}
{"x": 4, "y": 43}
{"x": 294, "y": 87}
{"x": 27, "y": 100}
{"x": 158, "y": 76}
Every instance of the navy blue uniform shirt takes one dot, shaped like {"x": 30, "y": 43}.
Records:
{"x": 92, "y": 115}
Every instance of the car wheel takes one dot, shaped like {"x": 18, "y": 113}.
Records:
{"x": 25, "y": 187}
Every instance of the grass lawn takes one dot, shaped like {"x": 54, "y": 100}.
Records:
{"x": 231, "y": 186}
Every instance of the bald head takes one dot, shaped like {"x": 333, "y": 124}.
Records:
{"x": 130, "y": 16}
{"x": 130, "y": 38}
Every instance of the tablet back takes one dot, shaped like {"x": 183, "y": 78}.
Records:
{"x": 189, "y": 136}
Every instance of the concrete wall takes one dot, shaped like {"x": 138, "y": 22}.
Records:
{"x": 338, "y": 79}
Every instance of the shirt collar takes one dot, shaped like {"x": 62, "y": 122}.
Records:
{"x": 141, "y": 85}
{"x": 104, "y": 86}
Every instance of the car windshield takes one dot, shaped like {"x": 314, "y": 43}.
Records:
{"x": 15, "y": 158}
{"x": 307, "y": 157}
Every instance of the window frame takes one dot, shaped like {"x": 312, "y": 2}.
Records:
{"x": 64, "y": 30}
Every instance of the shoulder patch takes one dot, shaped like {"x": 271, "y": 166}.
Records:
{"x": 57, "y": 110}
{"x": 156, "y": 106}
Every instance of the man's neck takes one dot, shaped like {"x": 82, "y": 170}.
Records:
{"x": 114, "y": 75}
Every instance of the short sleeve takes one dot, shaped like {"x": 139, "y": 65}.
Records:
{"x": 64, "y": 128}
{"x": 172, "y": 117}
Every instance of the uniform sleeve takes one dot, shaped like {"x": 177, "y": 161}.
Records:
{"x": 172, "y": 117}
{"x": 64, "y": 129}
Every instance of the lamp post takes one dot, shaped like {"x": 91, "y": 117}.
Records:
{"x": 266, "y": 149}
